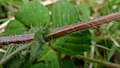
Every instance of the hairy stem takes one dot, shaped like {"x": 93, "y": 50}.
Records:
{"x": 82, "y": 25}
{"x": 63, "y": 30}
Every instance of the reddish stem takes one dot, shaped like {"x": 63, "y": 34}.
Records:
{"x": 63, "y": 30}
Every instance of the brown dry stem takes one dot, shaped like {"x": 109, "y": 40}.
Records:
{"x": 59, "y": 32}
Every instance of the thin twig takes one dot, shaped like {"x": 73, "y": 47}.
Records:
{"x": 63, "y": 30}
{"x": 3, "y": 26}
{"x": 109, "y": 64}
{"x": 24, "y": 38}
{"x": 2, "y": 50}
{"x": 80, "y": 56}
{"x": 92, "y": 54}
{"x": 3, "y": 61}
{"x": 9, "y": 49}
{"x": 114, "y": 41}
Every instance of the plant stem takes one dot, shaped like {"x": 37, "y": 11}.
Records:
{"x": 3, "y": 61}
{"x": 63, "y": 30}
{"x": 24, "y": 38}
{"x": 80, "y": 56}
{"x": 82, "y": 25}
{"x": 99, "y": 62}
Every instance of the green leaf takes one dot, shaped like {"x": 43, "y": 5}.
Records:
{"x": 44, "y": 51}
{"x": 17, "y": 3}
{"x": 106, "y": 43}
{"x": 49, "y": 57}
{"x": 63, "y": 13}
{"x": 3, "y": 0}
{"x": 15, "y": 62}
{"x": 85, "y": 11}
{"x": 2, "y": 20}
{"x": 36, "y": 44}
{"x": 115, "y": 28}
{"x": 33, "y": 14}
{"x": 27, "y": 64}
{"x": 68, "y": 64}
{"x": 40, "y": 65}
{"x": 74, "y": 44}
{"x": 112, "y": 51}
{"x": 14, "y": 27}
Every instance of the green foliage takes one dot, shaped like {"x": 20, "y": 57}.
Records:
{"x": 74, "y": 44}
{"x": 2, "y": 0}
{"x": 112, "y": 51}
{"x": 36, "y": 44}
{"x": 115, "y": 27}
{"x": 14, "y": 62}
{"x": 40, "y": 65}
{"x": 14, "y": 27}
{"x": 48, "y": 57}
{"x": 62, "y": 52}
{"x": 84, "y": 11}
{"x": 33, "y": 14}
{"x": 68, "y": 15}
{"x": 68, "y": 64}
{"x": 63, "y": 13}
